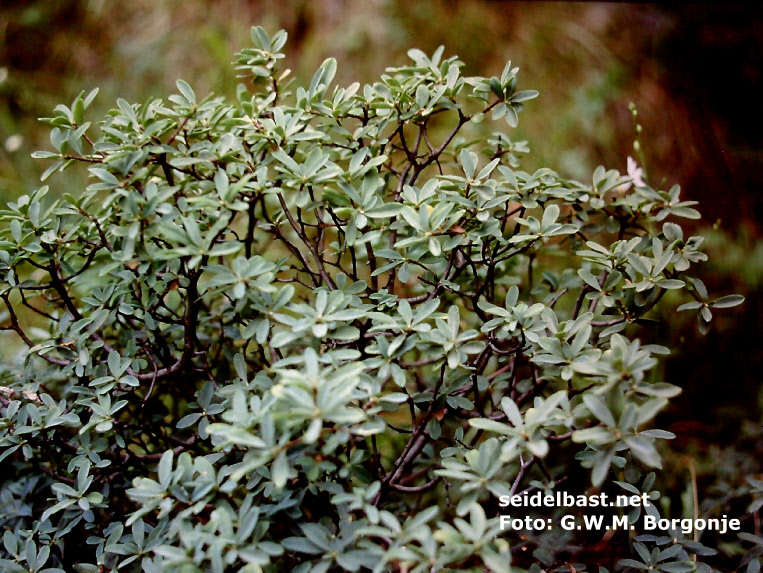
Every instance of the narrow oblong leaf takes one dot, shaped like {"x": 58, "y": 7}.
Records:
{"x": 187, "y": 91}
{"x": 165, "y": 469}
{"x": 728, "y": 301}
{"x": 598, "y": 408}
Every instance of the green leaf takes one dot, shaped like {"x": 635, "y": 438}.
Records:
{"x": 433, "y": 428}
{"x": 728, "y": 301}
{"x": 595, "y": 435}
{"x": 187, "y": 91}
{"x": 511, "y": 117}
{"x": 165, "y": 469}
{"x": 468, "y": 161}
{"x": 669, "y": 283}
{"x": 491, "y": 426}
{"x": 598, "y": 408}
{"x": 512, "y": 412}
{"x": 524, "y": 95}
{"x": 105, "y": 176}
{"x": 10, "y": 542}
{"x": 279, "y": 470}
{"x": 550, "y": 215}
{"x": 661, "y": 434}
{"x": 188, "y": 420}
{"x": 590, "y": 280}
{"x": 601, "y": 467}
{"x": 385, "y": 211}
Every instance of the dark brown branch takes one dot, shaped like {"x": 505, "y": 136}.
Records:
{"x": 16, "y": 327}
{"x": 309, "y": 244}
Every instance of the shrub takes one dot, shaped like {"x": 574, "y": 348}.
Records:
{"x": 317, "y": 330}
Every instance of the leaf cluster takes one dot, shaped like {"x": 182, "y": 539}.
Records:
{"x": 320, "y": 329}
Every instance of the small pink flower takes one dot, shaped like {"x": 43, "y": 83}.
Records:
{"x": 635, "y": 172}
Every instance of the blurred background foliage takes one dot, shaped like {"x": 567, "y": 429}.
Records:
{"x": 692, "y": 70}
